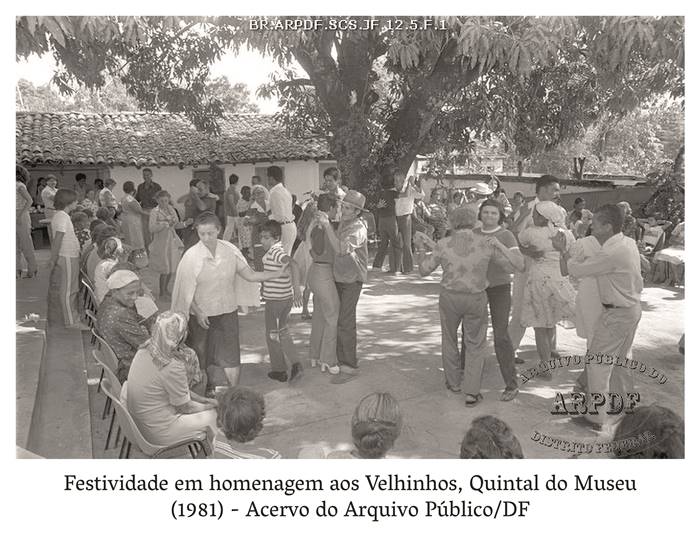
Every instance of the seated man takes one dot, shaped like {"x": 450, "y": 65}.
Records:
{"x": 118, "y": 321}
{"x": 240, "y": 414}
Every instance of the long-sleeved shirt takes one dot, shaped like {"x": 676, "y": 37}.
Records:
{"x": 617, "y": 270}
{"x": 464, "y": 257}
{"x": 121, "y": 327}
{"x": 281, "y": 204}
{"x": 350, "y": 263}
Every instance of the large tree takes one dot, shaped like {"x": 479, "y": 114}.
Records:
{"x": 384, "y": 91}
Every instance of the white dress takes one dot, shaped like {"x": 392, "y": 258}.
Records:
{"x": 549, "y": 296}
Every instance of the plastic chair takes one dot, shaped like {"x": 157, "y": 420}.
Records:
{"x": 132, "y": 435}
{"x": 107, "y": 359}
{"x": 92, "y": 324}
{"x": 91, "y": 300}
{"x": 114, "y": 382}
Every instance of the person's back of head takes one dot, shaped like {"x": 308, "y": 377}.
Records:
{"x": 240, "y": 414}
{"x": 489, "y": 437}
{"x": 376, "y": 424}
{"x": 79, "y": 219}
{"x": 650, "y": 432}
{"x": 326, "y": 202}
{"x": 275, "y": 173}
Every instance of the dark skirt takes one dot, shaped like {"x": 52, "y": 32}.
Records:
{"x": 218, "y": 347}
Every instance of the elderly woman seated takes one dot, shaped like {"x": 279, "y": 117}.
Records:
{"x": 118, "y": 320}
{"x": 158, "y": 393}
{"x": 375, "y": 426}
{"x": 490, "y": 438}
{"x": 240, "y": 416}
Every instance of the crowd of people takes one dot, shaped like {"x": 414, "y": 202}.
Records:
{"x": 520, "y": 263}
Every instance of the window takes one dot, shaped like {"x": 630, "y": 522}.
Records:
{"x": 215, "y": 176}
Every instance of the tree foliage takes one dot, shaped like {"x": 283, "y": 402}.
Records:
{"x": 386, "y": 91}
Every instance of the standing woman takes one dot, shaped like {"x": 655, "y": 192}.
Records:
{"x": 244, "y": 231}
{"x": 349, "y": 272}
{"x": 64, "y": 261}
{"x": 498, "y": 293}
{"x": 132, "y": 218}
{"x": 24, "y": 244}
{"x": 324, "y": 323}
{"x": 165, "y": 249}
{"x": 210, "y": 284}
{"x": 256, "y": 218}
{"x": 549, "y": 297}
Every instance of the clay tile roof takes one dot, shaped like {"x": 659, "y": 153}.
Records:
{"x": 156, "y": 139}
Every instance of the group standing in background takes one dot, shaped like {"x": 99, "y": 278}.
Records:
{"x": 509, "y": 262}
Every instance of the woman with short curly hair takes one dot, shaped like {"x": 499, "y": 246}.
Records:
{"x": 240, "y": 416}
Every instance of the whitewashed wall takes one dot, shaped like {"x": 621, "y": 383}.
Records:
{"x": 300, "y": 176}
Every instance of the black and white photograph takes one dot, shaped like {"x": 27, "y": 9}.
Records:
{"x": 350, "y": 237}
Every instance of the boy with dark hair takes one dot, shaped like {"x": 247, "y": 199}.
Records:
{"x": 280, "y": 294}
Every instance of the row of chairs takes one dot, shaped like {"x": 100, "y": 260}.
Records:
{"x": 109, "y": 384}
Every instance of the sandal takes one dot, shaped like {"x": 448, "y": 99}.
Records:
{"x": 306, "y": 316}
{"x": 509, "y": 394}
{"x": 472, "y": 400}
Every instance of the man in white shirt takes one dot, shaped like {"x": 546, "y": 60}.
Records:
{"x": 281, "y": 208}
{"x": 408, "y": 193}
{"x": 546, "y": 189}
{"x": 617, "y": 270}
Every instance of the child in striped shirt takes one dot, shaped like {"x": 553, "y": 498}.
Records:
{"x": 280, "y": 295}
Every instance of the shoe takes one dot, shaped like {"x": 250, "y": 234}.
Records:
{"x": 409, "y": 272}
{"x": 306, "y": 316}
{"x": 519, "y": 361}
{"x": 509, "y": 394}
{"x": 472, "y": 400}
{"x": 343, "y": 378}
{"x": 296, "y": 372}
{"x": 452, "y": 389}
{"x": 349, "y": 370}
{"x": 325, "y": 367}
{"x": 580, "y": 420}
{"x": 31, "y": 275}
{"x": 279, "y": 376}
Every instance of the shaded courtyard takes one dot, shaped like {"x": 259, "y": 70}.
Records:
{"x": 399, "y": 350}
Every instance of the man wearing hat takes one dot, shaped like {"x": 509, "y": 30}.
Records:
{"x": 118, "y": 321}
{"x": 350, "y": 272}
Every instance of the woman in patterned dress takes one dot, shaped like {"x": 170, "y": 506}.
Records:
{"x": 549, "y": 297}
{"x": 165, "y": 249}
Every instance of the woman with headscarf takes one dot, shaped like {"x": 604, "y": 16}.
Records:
{"x": 158, "y": 393}
{"x": 212, "y": 281}
{"x": 549, "y": 297}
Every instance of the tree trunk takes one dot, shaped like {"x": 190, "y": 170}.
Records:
{"x": 578, "y": 167}
{"x": 520, "y": 169}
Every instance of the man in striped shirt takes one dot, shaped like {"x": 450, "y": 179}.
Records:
{"x": 280, "y": 294}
